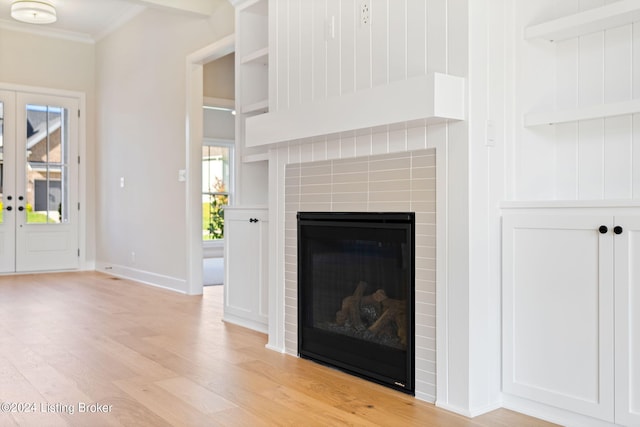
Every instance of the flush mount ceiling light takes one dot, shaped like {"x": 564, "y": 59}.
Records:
{"x": 33, "y": 12}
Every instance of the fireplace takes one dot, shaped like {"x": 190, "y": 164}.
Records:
{"x": 356, "y": 294}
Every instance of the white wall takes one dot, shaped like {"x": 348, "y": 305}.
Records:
{"x": 44, "y": 62}
{"x": 141, "y": 78}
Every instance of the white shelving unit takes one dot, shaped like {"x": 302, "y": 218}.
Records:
{"x": 252, "y": 70}
{"x": 582, "y": 113}
{"x": 590, "y": 21}
{"x": 613, "y": 15}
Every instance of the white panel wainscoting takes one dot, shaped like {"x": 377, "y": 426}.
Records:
{"x": 401, "y": 182}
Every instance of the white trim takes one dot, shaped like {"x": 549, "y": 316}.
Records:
{"x": 148, "y": 278}
{"x": 250, "y": 324}
{"x": 194, "y": 137}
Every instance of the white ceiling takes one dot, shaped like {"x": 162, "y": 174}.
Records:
{"x": 90, "y": 20}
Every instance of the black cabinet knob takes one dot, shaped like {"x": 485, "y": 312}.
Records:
{"x": 617, "y": 229}
{"x": 9, "y": 208}
{"x": 9, "y": 197}
{"x": 21, "y": 208}
{"x": 253, "y": 219}
{"x": 20, "y": 198}
{"x": 603, "y": 229}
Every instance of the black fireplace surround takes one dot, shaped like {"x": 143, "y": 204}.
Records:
{"x": 356, "y": 298}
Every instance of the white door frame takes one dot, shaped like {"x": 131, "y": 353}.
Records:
{"x": 194, "y": 136}
{"x": 84, "y": 263}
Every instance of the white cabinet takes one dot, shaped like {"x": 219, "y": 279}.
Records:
{"x": 246, "y": 267}
{"x": 571, "y": 289}
{"x": 627, "y": 320}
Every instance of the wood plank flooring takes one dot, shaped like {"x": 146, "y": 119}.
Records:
{"x": 151, "y": 357}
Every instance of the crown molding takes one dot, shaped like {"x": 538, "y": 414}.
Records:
{"x": 46, "y": 31}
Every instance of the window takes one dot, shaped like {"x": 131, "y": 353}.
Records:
{"x": 217, "y": 159}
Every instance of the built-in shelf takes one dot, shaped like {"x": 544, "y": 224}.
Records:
{"x": 260, "y": 56}
{"x": 258, "y": 7}
{"x": 582, "y": 113}
{"x": 256, "y": 107}
{"x": 252, "y": 158}
{"x": 431, "y": 98}
{"x": 613, "y": 15}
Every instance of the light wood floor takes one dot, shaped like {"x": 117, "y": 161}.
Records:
{"x": 163, "y": 359}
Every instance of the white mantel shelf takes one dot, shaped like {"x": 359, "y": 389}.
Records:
{"x": 590, "y": 21}
{"x": 432, "y": 98}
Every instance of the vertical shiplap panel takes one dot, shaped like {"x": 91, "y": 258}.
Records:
{"x": 567, "y": 161}
{"x": 635, "y": 136}
{"x": 590, "y": 69}
{"x": 333, "y": 48}
{"x": 319, "y": 50}
{"x": 617, "y": 64}
{"x": 363, "y": 53}
{"x": 567, "y": 74}
{"x": 380, "y": 42}
{"x": 416, "y": 38}
{"x": 282, "y": 91}
{"x": 398, "y": 141}
{"x": 567, "y": 134}
{"x": 437, "y": 36}
{"x": 457, "y": 40}
{"x": 397, "y": 40}
{"x": 348, "y": 47}
{"x": 618, "y": 174}
{"x": 363, "y": 144}
{"x": 590, "y": 160}
{"x": 294, "y": 54}
{"x": 416, "y": 138}
{"x": 635, "y": 67}
{"x": 307, "y": 70}
{"x": 591, "y": 133}
{"x": 347, "y": 146}
{"x": 617, "y": 130}
{"x": 380, "y": 143}
{"x": 635, "y": 64}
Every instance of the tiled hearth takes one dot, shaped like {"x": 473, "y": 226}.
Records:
{"x": 383, "y": 183}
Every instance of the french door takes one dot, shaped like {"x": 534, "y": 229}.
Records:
{"x": 38, "y": 182}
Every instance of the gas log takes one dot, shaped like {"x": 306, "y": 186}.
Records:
{"x": 382, "y": 315}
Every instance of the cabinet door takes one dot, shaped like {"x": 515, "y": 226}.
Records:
{"x": 246, "y": 269}
{"x": 558, "y": 311}
{"x": 627, "y": 294}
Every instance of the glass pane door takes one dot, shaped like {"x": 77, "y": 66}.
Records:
{"x": 47, "y": 183}
{"x": 47, "y": 167}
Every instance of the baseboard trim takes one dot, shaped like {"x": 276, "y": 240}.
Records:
{"x": 146, "y": 277}
{"x": 466, "y": 412}
{"x": 550, "y": 413}
{"x": 249, "y": 324}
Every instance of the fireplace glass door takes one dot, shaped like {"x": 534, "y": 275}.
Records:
{"x": 356, "y": 294}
